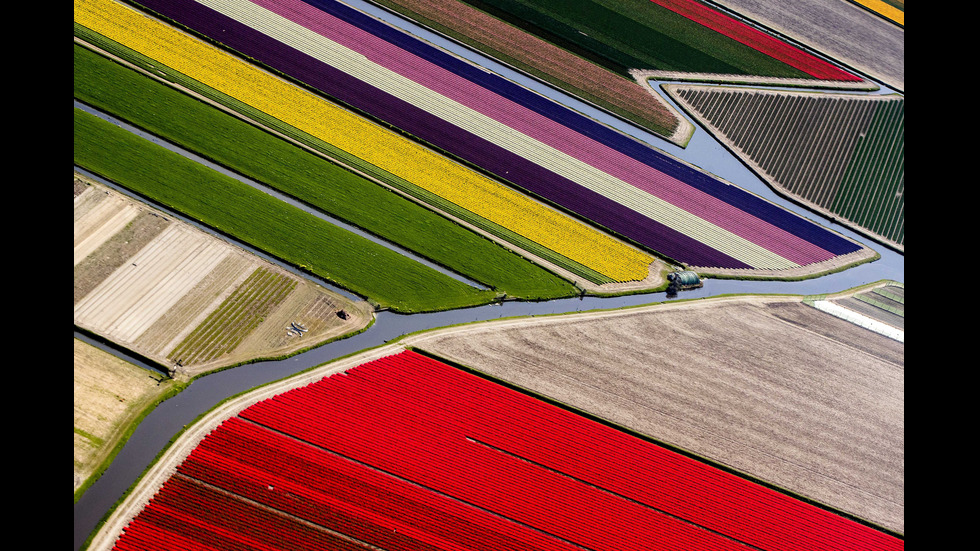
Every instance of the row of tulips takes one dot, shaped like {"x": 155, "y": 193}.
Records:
{"x": 189, "y": 515}
{"x": 408, "y": 452}
{"x": 512, "y": 132}
{"x": 570, "y": 240}
{"x": 345, "y": 496}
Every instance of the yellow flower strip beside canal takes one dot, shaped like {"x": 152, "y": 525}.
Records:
{"x": 363, "y": 139}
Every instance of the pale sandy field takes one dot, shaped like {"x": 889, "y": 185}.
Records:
{"x": 110, "y": 394}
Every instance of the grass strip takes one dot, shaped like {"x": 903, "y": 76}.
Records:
{"x": 881, "y": 305}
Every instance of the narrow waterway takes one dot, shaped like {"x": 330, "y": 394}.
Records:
{"x": 167, "y": 420}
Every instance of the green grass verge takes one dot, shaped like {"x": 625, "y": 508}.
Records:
{"x": 331, "y": 188}
{"x": 266, "y": 223}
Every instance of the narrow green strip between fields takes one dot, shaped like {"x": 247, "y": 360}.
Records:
{"x": 890, "y": 296}
{"x": 881, "y": 305}
{"x": 95, "y": 440}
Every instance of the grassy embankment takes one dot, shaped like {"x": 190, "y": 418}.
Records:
{"x": 314, "y": 180}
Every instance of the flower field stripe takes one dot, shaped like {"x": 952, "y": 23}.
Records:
{"x": 619, "y": 218}
{"x": 406, "y": 452}
{"x": 243, "y": 446}
{"x": 538, "y": 138}
{"x": 474, "y": 122}
{"x": 592, "y": 128}
{"x": 677, "y": 218}
{"x": 752, "y": 206}
{"x": 363, "y": 139}
{"x": 488, "y": 480}
{"x": 758, "y": 40}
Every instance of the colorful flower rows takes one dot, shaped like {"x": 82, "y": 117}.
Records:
{"x": 363, "y": 139}
{"x": 595, "y": 82}
{"x": 539, "y": 145}
{"x": 758, "y": 40}
{"x": 406, "y": 452}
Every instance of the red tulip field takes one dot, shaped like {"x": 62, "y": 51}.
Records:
{"x": 407, "y": 452}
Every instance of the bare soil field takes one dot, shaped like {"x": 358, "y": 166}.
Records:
{"x": 766, "y": 386}
{"x": 109, "y": 395}
{"x": 146, "y": 281}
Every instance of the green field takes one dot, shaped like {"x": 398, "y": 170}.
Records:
{"x": 314, "y": 180}
{"x": 872, "y": 191}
